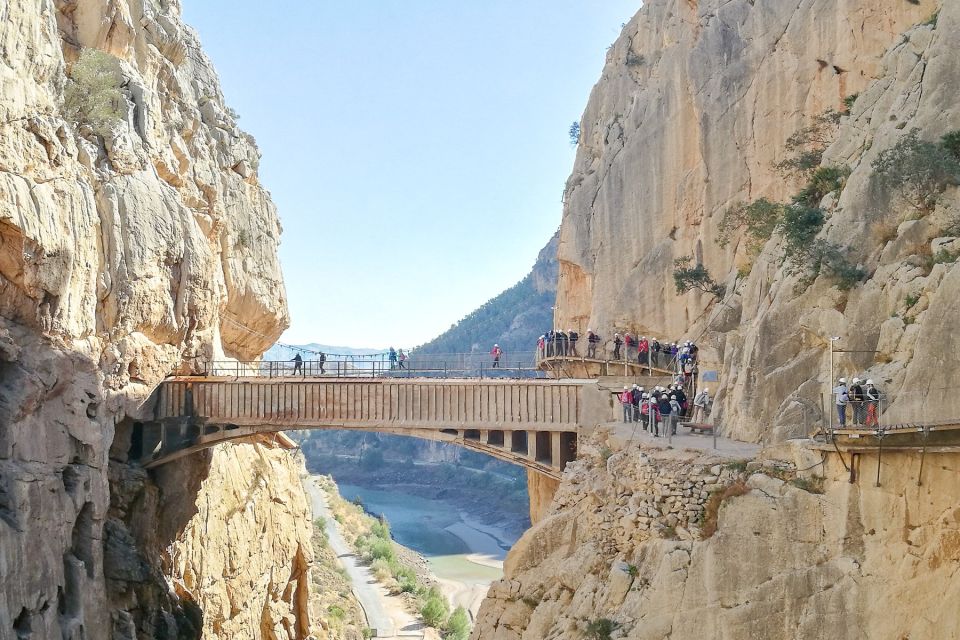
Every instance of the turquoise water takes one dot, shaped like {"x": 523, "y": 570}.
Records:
{"x": 419, "y": 523}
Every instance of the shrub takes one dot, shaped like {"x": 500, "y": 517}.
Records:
{"x": 823, "y": 181}
{"x": 381, "y": 570}
{"x": 92, "y": 95}
{"x": 759, "y": 219}
{"x": 838, "y": 266}
{"x": 635, "y": 60}
{"x": 601, "y": 629}
{"x": 912, "y": 300}
{"x": 434, "y": 610}
{"x": 944, "y": 257}
{"x": 711, "y": 511}
{"x": 849, "y": 101}
{"x": 457, "y": 626}
{"x": 380, "y": 529}
{"x": 799, "y": 227}
{"x": 932, "y": 20}
{"x": 811, "y": 485}
{"x": 918, "y": 170}
{"x": 686, "y": 278}
{"x": 336, "y": 611}
{"x": 633, "y": 570}
{"x": 574, "y": 134}
{"x": 806, "y": 145}
{"x": 951, "y": 143}
{"x": 381, "y": 549}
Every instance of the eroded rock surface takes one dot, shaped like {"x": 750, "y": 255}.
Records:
{"x": 129, "y": 250}
{"x": 691, "y": 115}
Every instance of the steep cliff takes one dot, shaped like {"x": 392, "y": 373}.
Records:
{"x": 134, "y": 239}
{"x": 692, "y": 115}
{"x": 636, "y": 545}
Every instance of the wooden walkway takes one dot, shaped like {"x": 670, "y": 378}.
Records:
{"x": 533, "y": 423}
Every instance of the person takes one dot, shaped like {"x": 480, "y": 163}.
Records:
{"x": 643, "y": 350}
{"x": 592, "y": 341}
{"x": 700, "y": 404}
{"x": 655, "y": 352}
{"x": 541, "y": 345}
{"x": 635, "y": 394}
{"x": 841, "y": 398}
{"x": 856, "y": 401}
{"x": 627, "y": 346}
{"x": 617, "y": 343}
{"x": 652, "y": 411}
{"x": 402, "y": 359}
{"x": 496, "y": 352}
{"x": 549, "y": 342}
{"x": 297, "y": 364}
{"x": 872, "y": 396}
{"x": 573, "y": 336}
{"x": 322, "y": 359}
{"x": 682, "y": 399}
{"x": 665, "y": 409}
{"x": 626, "y": 401}
{"x": 561, "y": 343}
{"x": 392, "y": 357}
{"x": 675, "y": 410}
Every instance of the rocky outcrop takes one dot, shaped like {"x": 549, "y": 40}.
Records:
{"x": 692, "y": 113}
{"x": 135, "y": 239}
{"x": 785, "y": 560}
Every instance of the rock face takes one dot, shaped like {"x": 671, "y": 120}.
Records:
{"x": 856, "y": 561}
{"x": 692, "y": 113}
{"x": 132, "y": 244}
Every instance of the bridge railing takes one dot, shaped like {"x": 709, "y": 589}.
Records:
{"x": 422, "y": 367}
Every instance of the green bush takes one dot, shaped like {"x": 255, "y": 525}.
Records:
{"x": 824, "y": 180}
{"x": 918, "y": 170}
{"x": 601, "y": 629}
{"x": 381, "y": 549}
{"x": 635, "y": 60}
{"x": 932, "y": 20}
{"x": 457, "y": 626}
{"x": 434, "y": 610}
{"x": 336, "y": 611}
{"x": 574, "y": 133}
{"x": 380, "y": 529}
{"x": 799, "y": 227}
{"x": 850, "y": 100}
{"x": 381, "y": 570}
{"x": 806, "y": 145}
{"x": 92, "y": 95}
{"x": 951, "y": 143}
{"x": 759, "y": 220}
{"x": 686, "y": 278}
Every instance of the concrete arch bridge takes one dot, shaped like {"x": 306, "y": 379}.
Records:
{"x": 530, "y": 422}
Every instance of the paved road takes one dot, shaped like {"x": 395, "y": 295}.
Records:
{"x": 384, "y": 612}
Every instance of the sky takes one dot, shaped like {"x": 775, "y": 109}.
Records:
{"x": 416, "y": 151}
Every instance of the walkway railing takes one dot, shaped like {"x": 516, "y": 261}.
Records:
{"x": 433, "y": 366}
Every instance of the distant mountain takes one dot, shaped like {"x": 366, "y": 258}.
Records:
{"x": 514, "y": 319}
{"x": 286, "y": 352}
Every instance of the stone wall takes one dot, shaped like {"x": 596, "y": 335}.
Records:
{"x": 798, "y": 552}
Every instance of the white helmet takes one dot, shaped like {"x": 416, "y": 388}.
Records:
{"x": 870, "y": 382}
{"x": 843, "y": 380}
{"x": 706, "y": 390}
{"x": 856, "y": 380}
{"x": 673, "y": 397}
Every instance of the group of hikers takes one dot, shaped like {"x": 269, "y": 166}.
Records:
{"x": 863, "y": 397}
{"x": 662, "y": 408}
{"x": 626, "y": 347}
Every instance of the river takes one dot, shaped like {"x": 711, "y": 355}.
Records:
{"x": 465, "y": 555}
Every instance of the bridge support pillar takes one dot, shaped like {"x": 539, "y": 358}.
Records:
{"x": 555, "y": 456}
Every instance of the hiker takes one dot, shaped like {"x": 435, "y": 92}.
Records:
{"x": 617, "y": 343}
{"x": 664, "y": 408}
{"x": 700, "y": 404}
{"x": 392, "y": 357}
{"x": 402, "y": 359}
{"x": 627, "y": 346}
{"x": 675, "y": 411}
{"x": 322, "y": 360}
{"x": 635, "y": 394}
{"x": 856, "y": 401}
{"x": 655, "y": 352}
{"x": 626, "y": 401}
{"x": 496, "y": 352}
{"x": 682, "y": 400}
{"x": 561, "y": 340}
{"x": 842, "y": 398}
{"x": 573, "y": 336}
{"x": 541, "y": 346}
{"x": 643, "y": 350}
{"x": 297, "y": 365}
{"x": 592, "y": 341}
{"x": 872, "y": 395}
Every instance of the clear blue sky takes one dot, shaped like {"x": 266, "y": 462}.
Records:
{"x": 417, "y": 151}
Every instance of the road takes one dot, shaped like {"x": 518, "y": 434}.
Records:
{"x": 384, "y": 612}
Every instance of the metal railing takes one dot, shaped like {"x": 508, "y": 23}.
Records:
{"x": 430, "y": 366}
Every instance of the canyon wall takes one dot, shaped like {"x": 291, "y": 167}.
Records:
{"x": 693, "y": 111}
{"x": 795, "y": 550}
{"x": 135, "y": 240}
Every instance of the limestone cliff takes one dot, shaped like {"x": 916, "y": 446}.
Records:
{"x": 628, "y": 548}
{"x": 694, "y": 109}
{"x": 135, "y": 238}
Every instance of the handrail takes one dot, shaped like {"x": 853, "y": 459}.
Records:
{"x": 362, "y": 369}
